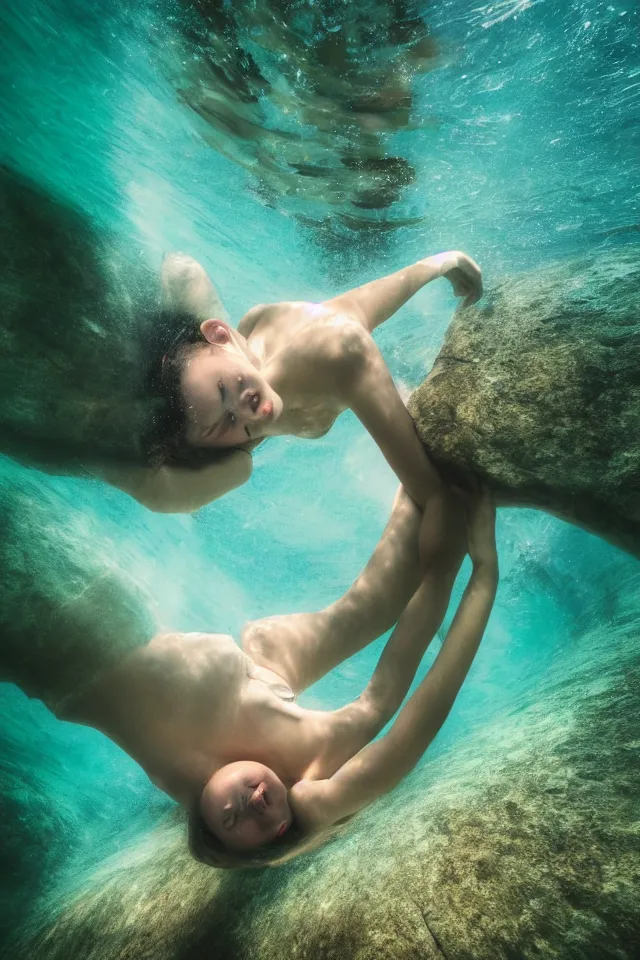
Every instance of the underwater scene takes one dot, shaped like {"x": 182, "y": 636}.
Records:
{"x": 278, "y": 679}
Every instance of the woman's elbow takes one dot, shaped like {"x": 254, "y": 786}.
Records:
{"x": 379, "y": 705}
{"x": 156, "y": 503}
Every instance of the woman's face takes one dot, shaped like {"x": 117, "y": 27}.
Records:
{"x": 228, "y": 401}
{"x": 245, "y": 805}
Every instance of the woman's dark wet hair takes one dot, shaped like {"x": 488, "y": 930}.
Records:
{"x": 174, "y": 337}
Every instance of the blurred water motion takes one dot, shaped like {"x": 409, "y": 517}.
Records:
{"x": 533, "y": 161}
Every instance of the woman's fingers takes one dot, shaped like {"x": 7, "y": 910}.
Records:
{"x": 467, "y": 283}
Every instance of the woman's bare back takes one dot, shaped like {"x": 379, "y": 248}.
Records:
{"x": 189, "y": 703}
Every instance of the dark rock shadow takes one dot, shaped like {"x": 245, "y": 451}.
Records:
{"x": 80, "y": 311}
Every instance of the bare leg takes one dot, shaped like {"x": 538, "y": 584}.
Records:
{"x": 303, "y": 647}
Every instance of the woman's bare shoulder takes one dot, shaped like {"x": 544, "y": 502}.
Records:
{"x": 254, "y": 316}
{"x": 285, "y": 313}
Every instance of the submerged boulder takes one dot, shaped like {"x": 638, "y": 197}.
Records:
{"x": 80, "y": 310}
{"x": 521, "y": 841}
{"x": 537, "y": 391}
{"x": 69, "y": 610}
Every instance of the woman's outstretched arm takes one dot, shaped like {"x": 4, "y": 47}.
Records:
{"x": 443, "y": 543}
{"x": 381, "y": 765}
{"x": 375, "y": 302}
{"x": 302, "y": 647}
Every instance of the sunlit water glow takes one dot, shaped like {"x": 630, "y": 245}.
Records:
{"x": 524, "y": 139}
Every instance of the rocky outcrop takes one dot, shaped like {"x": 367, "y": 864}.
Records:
{"x": 522, "y": 841}
{"x": 78, "y": 309}
{"x": 537, "y": 391}
{"x": 68, "y": 609}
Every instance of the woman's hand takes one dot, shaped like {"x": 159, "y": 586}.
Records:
{"x": 463, "y": 273}
{"x": 481, "y": 530}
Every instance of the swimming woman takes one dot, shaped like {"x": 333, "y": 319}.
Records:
{"x": 217, "y": 727}
{"x": 289, "y": 368}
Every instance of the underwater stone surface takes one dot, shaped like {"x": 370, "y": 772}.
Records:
{"x": 68, "y": 609}
{"x": 522, "y": 841}
{"x": 76, "y": 309}
{"x": 537, "y": 391}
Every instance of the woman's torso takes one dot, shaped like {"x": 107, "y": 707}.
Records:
{"x": 187, "y": 704}
{"x": 299, "y": 344}
{"x": 211, "y": 705}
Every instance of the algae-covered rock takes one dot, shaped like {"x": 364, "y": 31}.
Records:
{"x": 520, "y": 842}
{"x": 68, "y": 609}
{"x": 77, "y": 306}
{"x": 537, "y": 391}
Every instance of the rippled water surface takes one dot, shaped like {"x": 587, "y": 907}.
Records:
{"x": 298, "y": 149}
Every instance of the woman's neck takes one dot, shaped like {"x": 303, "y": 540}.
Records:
{"x": 282, "y": 735}
{"x": 256, "y": 356}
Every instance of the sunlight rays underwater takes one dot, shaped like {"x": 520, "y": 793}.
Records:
{"x": 524, "y": 140}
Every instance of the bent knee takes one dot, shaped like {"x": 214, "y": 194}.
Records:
{"x": 257, "y": 641}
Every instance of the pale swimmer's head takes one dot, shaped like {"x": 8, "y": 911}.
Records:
{"x": 213, "y": 397}
{"x": 243, "y": 818}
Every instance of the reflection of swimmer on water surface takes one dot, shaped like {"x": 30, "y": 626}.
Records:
{"x": 217, "y": 727}
{"x": 290, "y": 368}
{"x": 282, "y": 87}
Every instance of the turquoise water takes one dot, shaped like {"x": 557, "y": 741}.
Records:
{"x": 524, "y": 139}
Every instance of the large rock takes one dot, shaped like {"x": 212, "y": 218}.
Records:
{"x": 78, "y": 309}
{"x": 537, "y": 391}
{"x": 520, "y": 842}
